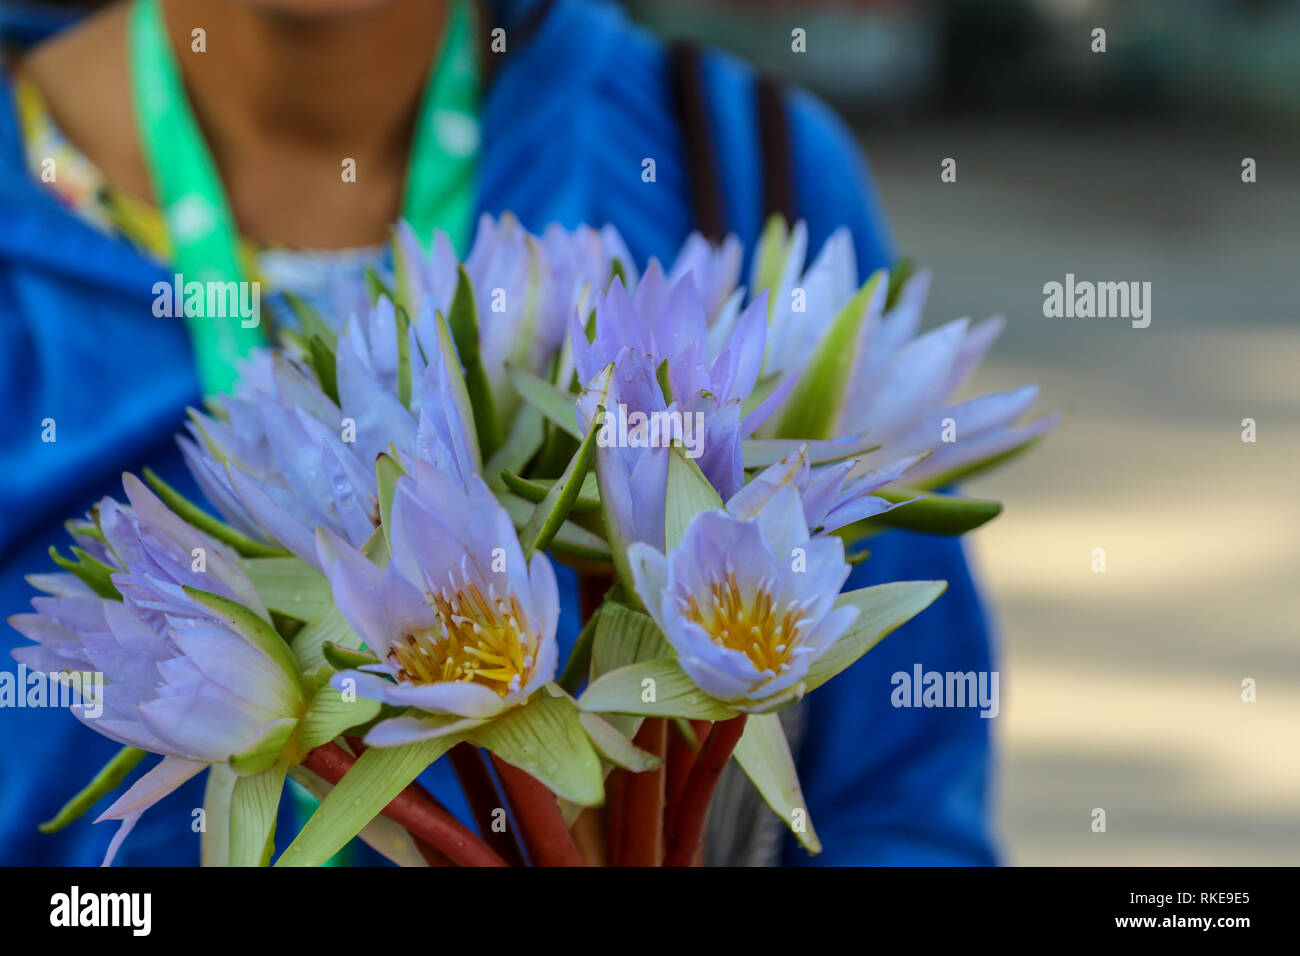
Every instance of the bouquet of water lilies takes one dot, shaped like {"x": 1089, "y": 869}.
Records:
{"x": 395, "y": 480}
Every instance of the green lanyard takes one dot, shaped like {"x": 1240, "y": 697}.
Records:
{"x": 439, "y": 192}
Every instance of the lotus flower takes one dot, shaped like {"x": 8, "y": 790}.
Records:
{"x": 182, "y": 679}
{"x": 463, "y": 626}
{"x": 747, "y": 603}
{"x": 895, "y": 387}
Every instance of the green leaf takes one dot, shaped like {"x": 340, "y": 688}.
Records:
{"x": 881, "y": 609}
{"x": 817, "y": 400}
{"x": 108, "y": 779}
{"x": 95, "y": 574}
{"x": 196, "y": 516}
{"x": 327, "y": 628}
{"x": 251, "y": 628}
{"x": 462, "y": 318}
{"x": 558, "y": 406}
{"x": 214, "y": 842}
{"x": 387, "y": 471}
{"x": 552, "y": 510}
{"x": 253, "y": 806}
{"x": 932, "y": 514}
{"x": 675, "y": 695}
{"x": 546, "y": 739}
{"x": 288, "y": 585}
{"x": 379, "y": 775}
{"x": 689, "y": 493}
{"x": 764, "y": 754}
{"x": 329, "y": 714}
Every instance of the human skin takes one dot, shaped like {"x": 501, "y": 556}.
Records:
{"x": 284, "y": 91}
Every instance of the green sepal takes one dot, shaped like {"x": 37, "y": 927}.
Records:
{"x": 198, "y": 518}
{"x": 552, "y": 510}
{"x": 254, "y": 803}
{"x": 289, "y": 585}
{"x": 675, "y": 695}
{"x": 378, "y": 775}
{"x": 764, "y": 754}
{"x": 92, "y": 572}
{"x": 109, "y": 777}
{"x": 323, "y": 362}
{"x": 329, "y": 714}
{"x": 689, "y": 493}
{"x": 265, "y": 749}
{"x": 462, "y": 318}
{"x": 817, "y": 399}
{"x": 387, "y": 471}
{"x": 344, "y": 658}
{"x": 251, "y": 628}
{"x": 545, "y": 738}
{"x": 556, "y": 405}
{"x": 931, "y": 514}
{"x": 881, "y": 610}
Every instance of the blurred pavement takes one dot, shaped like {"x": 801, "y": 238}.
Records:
{"x": 1122, "y": 690}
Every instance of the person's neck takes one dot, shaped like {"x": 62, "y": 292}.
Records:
{"x": 324, "y": 82}
{"x": 280, "y": 96}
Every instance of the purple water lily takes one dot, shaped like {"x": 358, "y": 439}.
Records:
{"x": 747, "y": 603}
{"x": 178, "y": 680}
{"x": 463, "y": 626}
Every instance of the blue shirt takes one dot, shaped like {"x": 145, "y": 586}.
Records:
{"x": 567, "y": 122}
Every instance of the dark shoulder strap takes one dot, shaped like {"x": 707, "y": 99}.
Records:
{"x": 692, "y": 105}
{"x": 777, "y": 172}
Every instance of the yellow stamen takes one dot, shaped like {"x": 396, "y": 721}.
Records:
{"x": 477, "y": 640}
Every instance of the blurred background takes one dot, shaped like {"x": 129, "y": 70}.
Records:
{"x": 1121, "y": 690}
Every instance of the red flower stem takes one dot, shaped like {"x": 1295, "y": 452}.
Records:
{"x": 688, "y": 829}
{"x": 484, "y": 800}
{"x": 678, "y": 762}
{"x": 615, "y": 808}
{"x": 413, "y": 809}
{"x": 545, "y": 833}
{"x": 643, "y": 801}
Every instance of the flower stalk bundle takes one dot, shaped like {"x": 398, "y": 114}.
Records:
{"x": 394, "y": 482}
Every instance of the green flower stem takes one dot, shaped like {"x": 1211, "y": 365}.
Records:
{"x": 688, "y": 827}
{"x": 546, "y": 835}
{"x": 483, "y": 798}
{"x": 414, "y": 810}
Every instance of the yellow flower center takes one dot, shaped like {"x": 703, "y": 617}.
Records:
{"x": 482, "y": 639}
{"x": 755, "y": 624}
